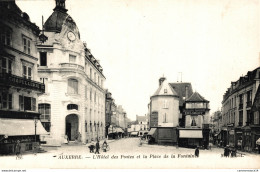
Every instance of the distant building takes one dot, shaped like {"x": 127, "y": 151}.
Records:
{"x": 178, "y": 116}
{"x": 196, "y": 115}
{"x": 19, "y": 82}
{"x": 140, "y": 126}
{"x": 239, "y": 129}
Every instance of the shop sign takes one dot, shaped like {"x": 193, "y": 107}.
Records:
{"x": 194, "y": 112}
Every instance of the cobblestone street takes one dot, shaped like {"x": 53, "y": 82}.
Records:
{"x": 127, "y": 153}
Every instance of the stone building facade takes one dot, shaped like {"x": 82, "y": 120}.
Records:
{"x": 19, "y": 83}
{"x": 237, "y": 111}
{"x": 73, "y": 105}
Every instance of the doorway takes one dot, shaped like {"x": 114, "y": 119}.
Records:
{"x": 72, "y": 125}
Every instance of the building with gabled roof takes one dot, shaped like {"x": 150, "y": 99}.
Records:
{"x": 177, "y": 115}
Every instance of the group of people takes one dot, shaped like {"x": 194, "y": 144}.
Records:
{"x": 229, "y": 152}
{"x": 96, "y": 147}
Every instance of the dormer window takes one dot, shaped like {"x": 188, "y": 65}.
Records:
{"x": 165, "y": 90}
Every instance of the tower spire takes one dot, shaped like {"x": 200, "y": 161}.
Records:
{"x": 60, "y": 5}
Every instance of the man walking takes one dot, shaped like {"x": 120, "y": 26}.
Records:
{"x": 197, "y": 152}
{"x": 97, "y": 147}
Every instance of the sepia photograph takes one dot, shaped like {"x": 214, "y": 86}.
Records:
{"x": 129, "y": 84}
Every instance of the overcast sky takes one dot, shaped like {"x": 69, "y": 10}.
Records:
{"x": 137, "y": 41}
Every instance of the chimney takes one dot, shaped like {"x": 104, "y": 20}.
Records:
{"x": 161, "y": 80}
{"x": 186, "y": 92}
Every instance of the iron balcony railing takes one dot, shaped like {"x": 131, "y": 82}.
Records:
{"x": 7, "y": 79}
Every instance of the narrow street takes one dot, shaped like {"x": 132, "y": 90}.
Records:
{"x": 126, "y": 153}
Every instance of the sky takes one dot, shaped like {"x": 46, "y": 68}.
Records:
{"x": 208, "y": 43}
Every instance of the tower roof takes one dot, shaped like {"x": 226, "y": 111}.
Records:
{"x": 196, "y": 97}
{"x": 165, "y": 86}
{"x": 180, "y": 88}
{"x": 58, "y": 18}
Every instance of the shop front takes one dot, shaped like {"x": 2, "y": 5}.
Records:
{"x": 27, "y": 131}
{"x": 190, "y": 138}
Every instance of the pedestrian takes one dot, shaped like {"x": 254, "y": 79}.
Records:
{"x": 18, "y": 150}
{"x": 104, "y": 146}
{"x": 197, "y": 152}
{"x": 91, "y": 146}
{"x": 228, "y": 151}
{"x": 97, "y": 147}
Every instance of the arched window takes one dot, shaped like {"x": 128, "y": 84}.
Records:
{"x": 72, "y": 86}
{"x": 45, "y": 111}
{"x": 72, "y": 107}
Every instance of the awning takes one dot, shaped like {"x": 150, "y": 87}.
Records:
{"x": 20, "y": 127}
{"x": 258, "y": 142}
{"x": 191, "y": 134}
{"x": 119, "y": 130}
{"x": 152, "y": 131}
{"x": 134, "y": 133}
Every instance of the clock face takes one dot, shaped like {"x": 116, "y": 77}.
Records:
{"x": 71, "y": 36}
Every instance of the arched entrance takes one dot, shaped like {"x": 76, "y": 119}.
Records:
{"x": 72, "y": 126}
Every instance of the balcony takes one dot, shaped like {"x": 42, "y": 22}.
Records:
{"x": 72, "y": 66}
{"x": 7, "y": 79}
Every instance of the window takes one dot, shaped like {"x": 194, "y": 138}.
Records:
{"x": 249, "y": 96}
{"x": 43, "y": 58}
{"x": 27, "y": 103}
{"x": 45, "y": 82}
{"x": 27, "y": 72}
{"x": 90, "y": 94}
{"x": 72, "y": 86}
{"x": 86, "y": 92}
{"x": 240, "y": 122}
{"x": 6, "y": 101}
{"x": 165, "y": 104}
{"x": 86, "y": 67}
{"x": 6, "y": 36}
{"x": 95, "y": 97}
{"x": 5, "y": 65}
{"x": 72, "y": 107}
{"x": 193, "y": 121}
{"x": 256, "y": 117}
{"x": 72, "y": 59}
{"x": 165, "y": 118}
{"x": 90, "y": 73}
{"x": 45, "y": 111}
{"x": 86, "y": 126}
{"x": 165, "y": 90}
{"x": 95, "y": 79}
{"x": 26, "y": 45}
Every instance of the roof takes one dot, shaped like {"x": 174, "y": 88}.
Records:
{"x": 165, "y": 85}
{"x": 141, "y": 118}
{"x": 196, "y": 97}
{"x": 57, "y": 19}
{"x": 180, "y": 88}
